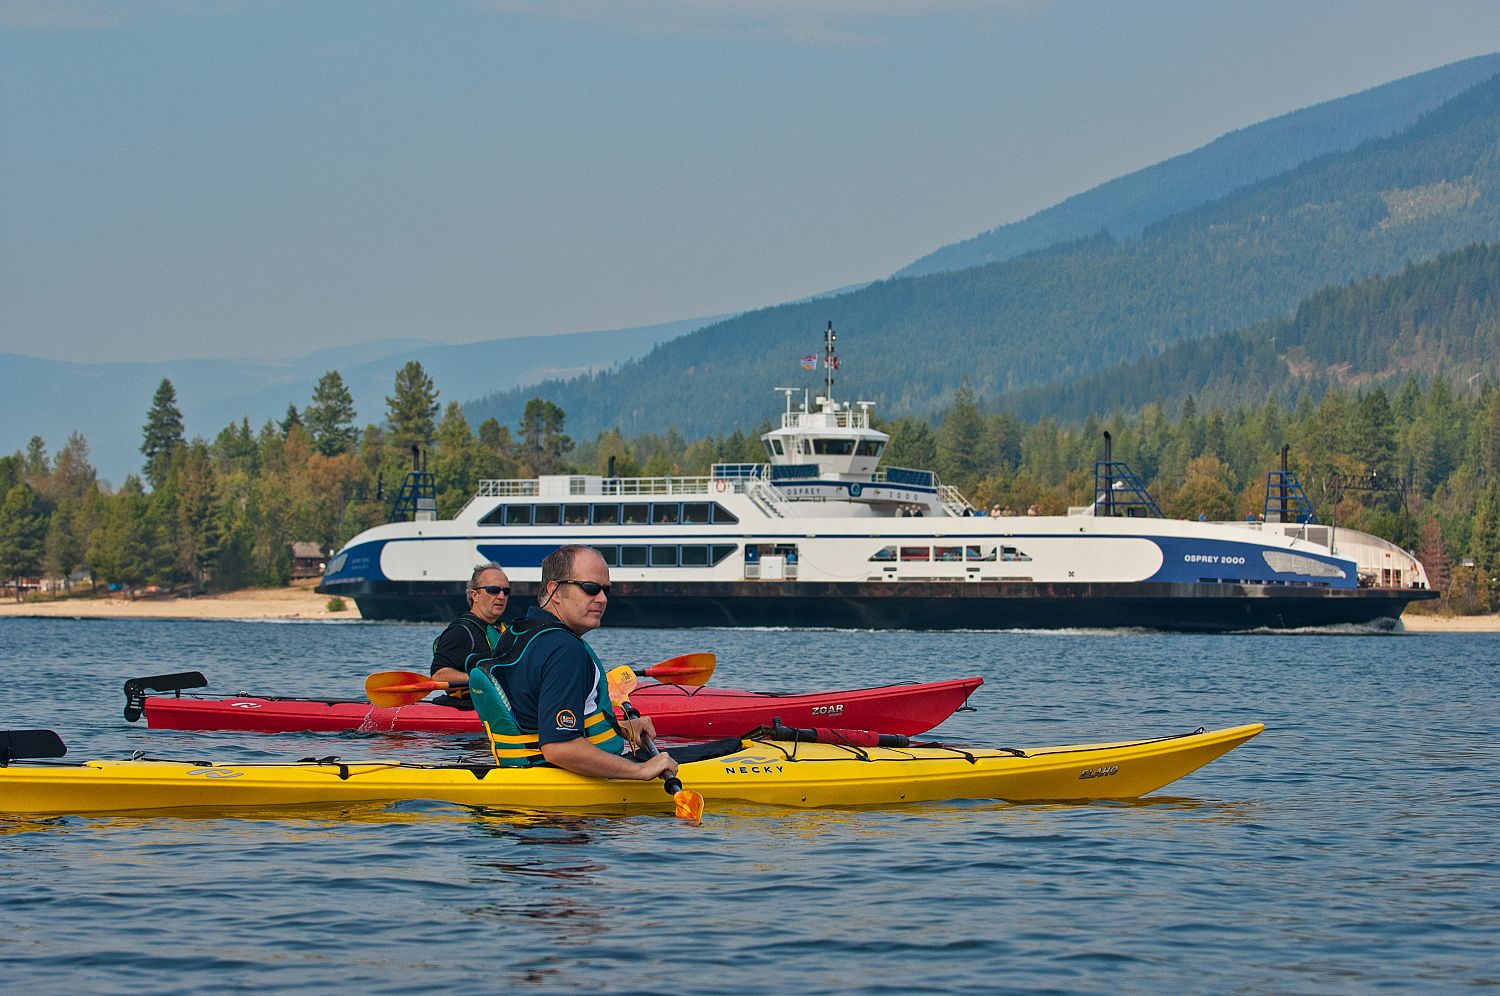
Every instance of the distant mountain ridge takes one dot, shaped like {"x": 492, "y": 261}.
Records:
{"x": 107, "y": 402}
{"x": 1055, "y": 316}
{"x": 1441, "y": 317}
{"x": 1125, "y": 206}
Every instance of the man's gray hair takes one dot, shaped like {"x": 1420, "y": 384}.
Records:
{"x": 488, "y": 565}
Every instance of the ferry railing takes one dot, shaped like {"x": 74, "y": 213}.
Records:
{"x": 525, "y": 488}
{"x": 954, "y": 501}
{"x": 765, "y": 497}
{"x": 843, "y": 418}
{"x": 614, "y": 486}
{"x": 630, "y": 486}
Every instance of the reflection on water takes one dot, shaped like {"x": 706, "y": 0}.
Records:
{"x": 1349, "y": 841}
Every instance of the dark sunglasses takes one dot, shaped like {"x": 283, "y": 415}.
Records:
{"x": 493, "y": 589}
{"x": 589, "y": 588}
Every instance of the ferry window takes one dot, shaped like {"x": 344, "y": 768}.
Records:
{"x": 720, "y": 551}
{"x": 632, "y": 556}
{"x": 869, "y": 448}
{"x": 606, "y": 515}
{"x": 545, "y": 515}
{"x": 1011, "y": 553}
{"x": 979, "y": 553}
{"x": 885, "y": 554}
{"x": 694, "y": 556}
{"x": 946, "y": 553}
{"x": 610, "y": 554}
{"x": 774, "y": 445}
{"x": 494, "y": 517}
{"x": 914, "y": 553}
{"x": 833, "y": 447}
{"x": 663, "y": 556}
{"x": 634, "y": 515}
{"x": 722, "y": 514}
{"x": 665, "y": 514}
{"x": 517, "y": 515}
{"x": 576, "y": 515}
{"x": 696, "y": 513}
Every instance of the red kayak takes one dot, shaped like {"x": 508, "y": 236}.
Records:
{"x": 677, "y": 711}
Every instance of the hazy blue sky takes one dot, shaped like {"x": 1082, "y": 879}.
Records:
{"x": 264, "y": 178}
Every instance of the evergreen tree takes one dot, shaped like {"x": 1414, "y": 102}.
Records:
{"x": 291, "y": 420}
{"x": 37, "y": 466}
{"x": 542, "y": 438}
{"x": 197, "y": 520}
{"x": 330, "y": 416}
{"x": 163, "y": 432}
{"x": 960, "y": 439}
{"x": 23, "y": 534}
{"x": 455, "y": 463}
{"x": 411, "y": 411}
{"x": 72, "y": 474}
{"x": 63, "y": 550}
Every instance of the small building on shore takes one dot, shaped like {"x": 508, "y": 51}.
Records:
{"x": 308, "y": 560}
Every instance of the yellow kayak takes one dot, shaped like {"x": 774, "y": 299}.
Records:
{"x": 764, "y": 771}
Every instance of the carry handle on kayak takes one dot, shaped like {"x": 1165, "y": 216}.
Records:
{"x": 136, "y": 689}
{"x": 20, "y": 745}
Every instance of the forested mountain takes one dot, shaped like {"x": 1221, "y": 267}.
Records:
{"x": 1077, "y": 309}
{"x": 1123, "y": 207}
{"x": 1441, "y": 317}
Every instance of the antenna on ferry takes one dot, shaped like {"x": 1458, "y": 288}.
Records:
{"x": 830, "y": 360}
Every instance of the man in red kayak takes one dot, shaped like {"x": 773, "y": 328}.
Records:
{"x": 555, "y": 707}
{"x": 474, "y": 634}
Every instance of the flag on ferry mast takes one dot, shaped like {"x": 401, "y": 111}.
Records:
{"x": 810, "y": 362}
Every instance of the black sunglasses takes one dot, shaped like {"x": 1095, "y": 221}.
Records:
{"x": 589, "y": 588}
{"x": 493, "y": 589}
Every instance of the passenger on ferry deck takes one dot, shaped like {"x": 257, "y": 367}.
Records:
{"x": 476, "y": 631}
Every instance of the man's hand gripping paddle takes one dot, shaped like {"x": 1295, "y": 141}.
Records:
{"x": 622, "y": 681}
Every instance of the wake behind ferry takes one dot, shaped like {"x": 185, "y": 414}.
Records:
{"x": 823, "y": 536}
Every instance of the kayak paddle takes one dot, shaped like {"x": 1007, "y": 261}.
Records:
{"x": 689, "y": 804}
{"x": 398, "y": 688}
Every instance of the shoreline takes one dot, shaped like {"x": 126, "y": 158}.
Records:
{"x": 302, "y": 602}
{"x": 296, "y": 602}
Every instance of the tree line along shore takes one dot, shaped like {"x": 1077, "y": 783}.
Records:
{"x": 222, "y": 515}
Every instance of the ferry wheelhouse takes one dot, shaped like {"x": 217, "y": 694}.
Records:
{"x": 821, "y": 535}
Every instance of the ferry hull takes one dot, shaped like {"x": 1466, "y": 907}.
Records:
{"x": 931, "y": 605}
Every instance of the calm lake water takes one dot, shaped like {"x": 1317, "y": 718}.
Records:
{"x": 1351, "y": 846}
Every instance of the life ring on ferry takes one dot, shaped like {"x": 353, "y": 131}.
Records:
{"x": 721, "y": 485}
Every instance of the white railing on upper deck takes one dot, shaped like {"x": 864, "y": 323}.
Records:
{"x": 616, "y": 487}
{"x": 842, "y": 419}
{"x": 954, "y": 501}
{"x": 508, "y": 489}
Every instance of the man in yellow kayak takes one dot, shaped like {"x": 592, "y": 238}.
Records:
{"x": 473, "y": 635}
{"x": 544, "y": 696}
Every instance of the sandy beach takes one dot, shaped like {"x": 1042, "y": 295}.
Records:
{"x": 297, "y": 602}
{"x": 301, "y": 602}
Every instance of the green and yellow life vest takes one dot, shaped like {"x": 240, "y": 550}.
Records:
{"x": 512, "y": 746}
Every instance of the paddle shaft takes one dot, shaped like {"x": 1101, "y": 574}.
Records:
{"x": 673, "y": 783}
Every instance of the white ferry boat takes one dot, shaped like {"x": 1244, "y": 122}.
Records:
{"x": 823, "y": 536}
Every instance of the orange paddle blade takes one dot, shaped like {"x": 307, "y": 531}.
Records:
{"x": 398, "y": 688}
{"x": 686, "y": 669}
{"x": 622, "y": 682}
{"x": 689, "y": 805}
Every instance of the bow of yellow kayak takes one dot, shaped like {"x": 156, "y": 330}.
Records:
{"x": 760, "y": 771}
